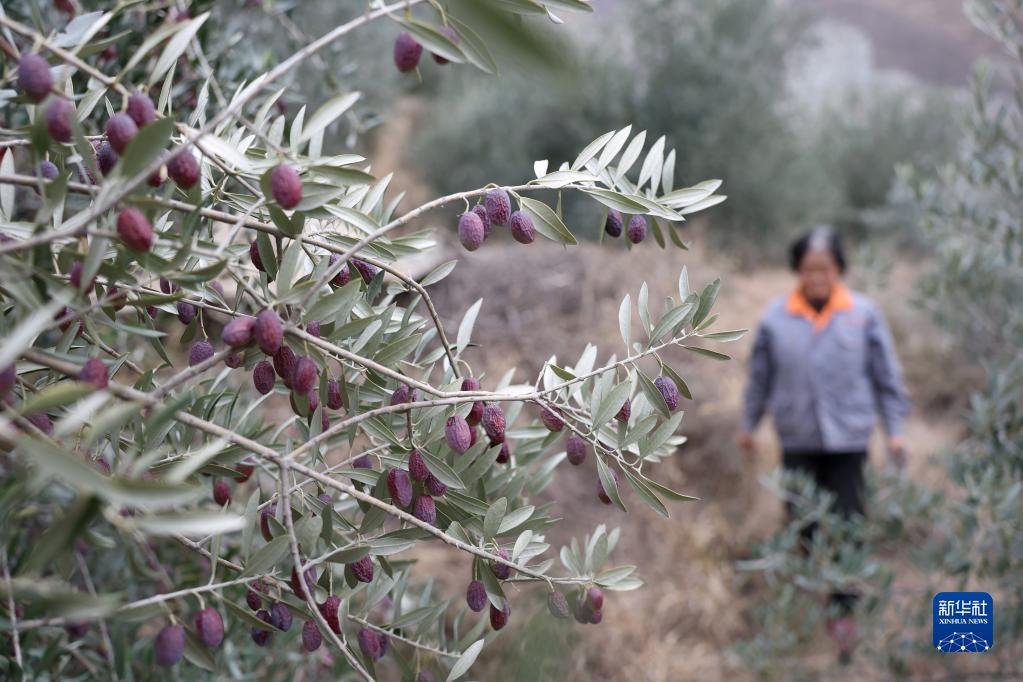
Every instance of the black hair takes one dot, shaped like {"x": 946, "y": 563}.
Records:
{"x": 818, "y": 238}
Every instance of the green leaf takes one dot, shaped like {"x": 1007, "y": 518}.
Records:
{"x": 559, "y": 179}
{"x": 480, "y": 466}
{"x": 145, "y": 147}
{"x": 668, "y": 492}
{"x": 492, "y": 521}
{"x": 465, "y": 661}
{"x": 669, "y": 322}
{"x": 725, "y": 337}
{"x": 519, "y": 6}
{"x": 194, "y": 461}
{"x": 630, "y": 154}
{"x": 248, "y": 617}
{"x": 227, "y": 152}
{"x": 652, "y": 165}
{"x": 388, "y": 545}
{"x": 547, "y": 221}
{"x": 515, "y": 519}
{"x": 267, "y": 254}
{"x": 625, "y": 319}
{"x": 683, "y": 387}
{"x": 591, "y": 150}
{"x": 74, "y": 471}
{"x": 54, "y": 598}
{"x": 93, "y": 260}
{"x": 465, "y": 327}
{"x": 24, "y": 335}
{"x": 707, "y": 298}
{"x": 616, "y": 200}
{"x": 7, "y": 189}
{"x": 646, "y": 494}
{"x": 571, "y": 5}
{"x": 521, "y": 543}
{"x": 713, "y": 354}
{"x": 189, "y": 523}
{"x": 60, "y": 535}
{"x": 643, "y": 308}
{"x": 433, "y": 40}
{"x": 348, "y": 555}
{"x": 473, "y": 47}
{"x": 197, "y": 653}
{"x": 307, "y": 530}
{"x": 289, "y": 268}
{"x": 707, "y": 323}
{"x": 395, "y": 351}
{"x": 56, "y": 395}
{"x": 251, "y": 523}
{"x": 611, "y": 403}
{"x": 282, "y": 221}
{"x": 668, "y": 174}
{"x": 176, "y": 45}
{"x": 439, "y": 273}
{"x": 688, "y": 196}
{"x": 614, "y": 146}
{"x": 655, "y": 229}
{"x": 442, "y": 471}
{"x": 327, "y": 308}
{"x": 563, "y": 373}
{"x": 703, "y": 205}
{"x": 653, "y": 395}
{"x": 495, "y": 593}
{"x": 614, "y": 575}
{"x": 609, "y": 483}
{"x": 328, "y": 112}
{"x": 661, "y": 434}
{"x": 355, "y": 218}
{"x": 267, "y": 556}
{"x": 343, "y": 176}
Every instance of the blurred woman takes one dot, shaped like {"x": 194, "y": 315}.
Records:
{"x": 824, "y": 366}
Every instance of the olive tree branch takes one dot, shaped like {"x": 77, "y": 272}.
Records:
{"x": 246, "y": 221}
{"x": 103, "y": 630}
{"x": 12, "y": 611}
{"x": 281, "y": 583}
{"x": 276, "y": 458}
{"x": 339, "y": 641}
{"x": 82, "y": 220}
{"x": 155, "y": 599}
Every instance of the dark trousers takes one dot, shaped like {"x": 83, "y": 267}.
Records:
{"x": 841, "y": 474}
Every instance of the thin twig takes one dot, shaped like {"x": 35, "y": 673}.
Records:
{"x": 339, "y": 641}
{"x": 13, "y": 615}
{"x": 155, "y": 599}
{"x": 104, "y": 631}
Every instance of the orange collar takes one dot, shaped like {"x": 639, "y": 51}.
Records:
{"x": 840, "y": 299}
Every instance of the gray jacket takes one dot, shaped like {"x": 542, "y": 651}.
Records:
{"x": 824, "y": 387}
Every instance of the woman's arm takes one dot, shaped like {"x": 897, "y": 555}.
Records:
{"x": 886, "y": 375}
{"x": 758, "y": 387}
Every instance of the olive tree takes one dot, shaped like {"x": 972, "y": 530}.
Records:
{"x": 231, "y": 419}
